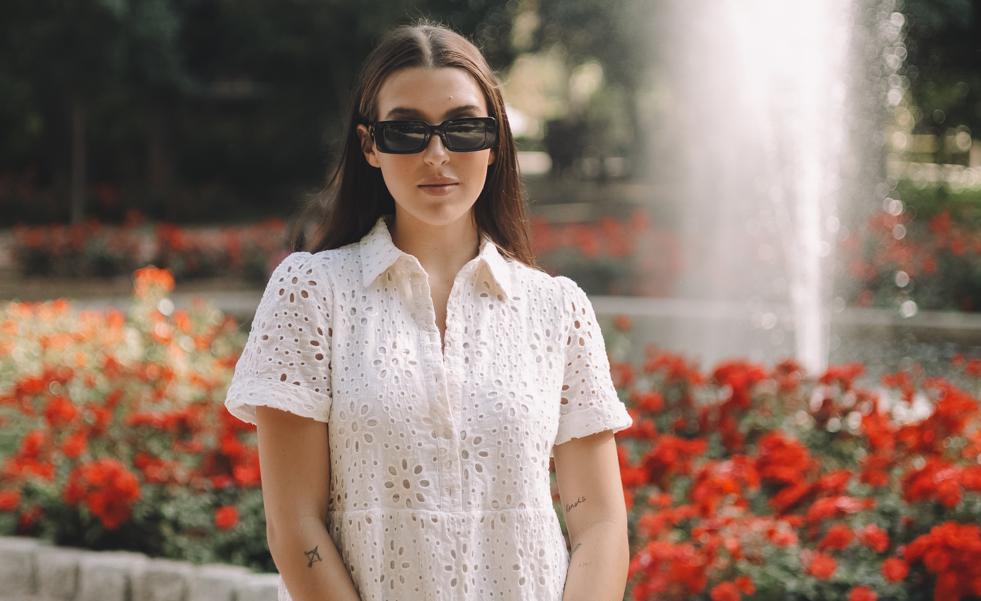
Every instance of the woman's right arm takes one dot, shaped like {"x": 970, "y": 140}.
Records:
{"x": 294, "y": 464}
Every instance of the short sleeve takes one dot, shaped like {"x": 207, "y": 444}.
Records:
{"x": 589, "y": 401}
{"x": 285, "y": 363}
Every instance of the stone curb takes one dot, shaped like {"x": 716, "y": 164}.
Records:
{"x": 35, "y": 570}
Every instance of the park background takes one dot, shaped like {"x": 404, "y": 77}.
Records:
{"x": 805, "y": 388}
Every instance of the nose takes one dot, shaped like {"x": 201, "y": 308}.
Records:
{"x": 435, "y": 153}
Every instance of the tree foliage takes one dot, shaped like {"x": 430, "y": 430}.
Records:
{"x": 943, "y": 63}
{"x": 244, "y": 97}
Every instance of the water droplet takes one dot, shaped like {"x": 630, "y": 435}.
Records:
{"x": 893, "y": 206}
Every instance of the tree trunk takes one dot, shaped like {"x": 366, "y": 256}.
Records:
{"x": 78, "y": 161}
{"x": 158, "y": 155}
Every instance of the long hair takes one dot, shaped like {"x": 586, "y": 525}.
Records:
{"x": 355, "y": 196}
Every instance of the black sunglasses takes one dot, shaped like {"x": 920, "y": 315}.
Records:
{"x": 467, "y": 134}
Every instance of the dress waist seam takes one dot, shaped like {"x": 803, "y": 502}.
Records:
{"x": 550, "y": 510}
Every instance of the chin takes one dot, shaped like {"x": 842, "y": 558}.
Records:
{"x": 442, "y": 211}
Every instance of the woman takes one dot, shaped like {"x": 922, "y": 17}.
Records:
{"x": 412, "y": 374}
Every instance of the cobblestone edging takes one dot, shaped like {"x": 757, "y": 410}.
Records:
{"x": 34, "y": 570}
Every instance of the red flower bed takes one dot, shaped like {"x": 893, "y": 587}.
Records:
{"x": 743, "y": 482}
{"x": 796, "y": 486}
{"x": 934, "y": 261}
{"x": 629, "y": 256}
{"x": 120, "y": 438}
{"x": 92, "y": 249}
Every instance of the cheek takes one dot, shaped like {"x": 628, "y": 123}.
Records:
{"x": 397, "y": 170}
{"x": 476, "y": 168}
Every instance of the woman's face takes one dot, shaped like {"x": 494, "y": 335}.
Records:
{"x": 432, "y": 95}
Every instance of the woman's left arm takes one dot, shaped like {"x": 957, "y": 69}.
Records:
{"x": 591, "y": 493}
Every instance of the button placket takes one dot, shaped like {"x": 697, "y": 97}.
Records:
{"x": 448, "y": 460}
{"x": 453, "y": 475}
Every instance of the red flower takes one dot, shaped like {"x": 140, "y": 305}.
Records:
{"x": 745, "y": 585}
{"x": 672, "y": 455}
{"x": 843, "y": 375}
{"x": 822, "y": 566}
{"x": 60, "y": 411}
{"x": 790, "y": 497}
{"x": 937, "y": 479}
{"x": 725, "y": 591}
{"x": 874, "y": 538}
{"x": 834, "y": 483}
{"x": 33, "y": 443}
{"x": 28, "y": 518}
{"x": 9, "y": 500}
{"x": 936, "y": 560}
{"x": 226, "y": 517}
{"x": 949, "y": 493}
{"x": 152, "y": 280}
{"x": 107, "y": 489}
{"x": 75, "y": 445}
{"x": 862, "y": 593}
{"x": 952, "y": 551}
{"x": 894, "y": 569}
{"x": 782, "y": 461}
{"x": 739, "y": 377}
{"x": 838, "y": 538}
{"x": 648, "y": 401}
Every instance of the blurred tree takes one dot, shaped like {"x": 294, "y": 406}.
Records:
{"x": 244, "y": 98}
{"x": 68, "y": 53}
{"x": 155, "y": 79}
{"x": 943, "y": 64}
{"x": 620, "y": 35}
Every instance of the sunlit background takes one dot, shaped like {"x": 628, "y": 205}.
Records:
{"x": 748, "y": 181}
{"x": 725, "y": 172}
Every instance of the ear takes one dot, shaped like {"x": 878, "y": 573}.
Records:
{"x": 368, "y": 147}
{"x": 492, "y": 158}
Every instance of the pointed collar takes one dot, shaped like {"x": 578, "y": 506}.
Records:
{"x": 378, "y": 253}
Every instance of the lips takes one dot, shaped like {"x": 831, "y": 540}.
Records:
{"x": 439, "y": 181}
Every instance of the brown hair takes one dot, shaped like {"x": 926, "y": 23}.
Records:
{"x": 356, "y": 196}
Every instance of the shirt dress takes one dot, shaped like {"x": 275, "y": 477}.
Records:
{"x": 439, "y": 457}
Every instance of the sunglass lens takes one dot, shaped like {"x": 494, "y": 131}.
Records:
{"x": 403, "y": 137}
{"x": 467, "y": 135}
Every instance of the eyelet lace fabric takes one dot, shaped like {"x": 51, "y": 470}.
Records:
{"x": 439, "y": 479}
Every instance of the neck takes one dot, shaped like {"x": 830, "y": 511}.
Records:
{"x": 441, "y": 249}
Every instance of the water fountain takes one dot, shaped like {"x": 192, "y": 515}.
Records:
{"x": 769, "y": 150}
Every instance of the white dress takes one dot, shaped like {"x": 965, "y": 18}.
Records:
{"x": 440, "y": 485}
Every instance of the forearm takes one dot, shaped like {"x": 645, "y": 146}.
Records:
{"x": 309, "y": 563}
{"x": 598, "y": 564}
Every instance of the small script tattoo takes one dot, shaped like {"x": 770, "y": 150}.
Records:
{"x": 312, "y": 555}
{"x": 572, "y": 506}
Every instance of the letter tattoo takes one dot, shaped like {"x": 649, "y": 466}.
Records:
{"x": 312, "y": 555}
{"x": 572, "y": 506}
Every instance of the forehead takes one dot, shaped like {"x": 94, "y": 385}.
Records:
{"x": 431, "y": 92}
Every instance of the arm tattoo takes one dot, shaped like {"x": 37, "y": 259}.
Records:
{"x": 312, "y": 555}
{"x": 572, "y": 506}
